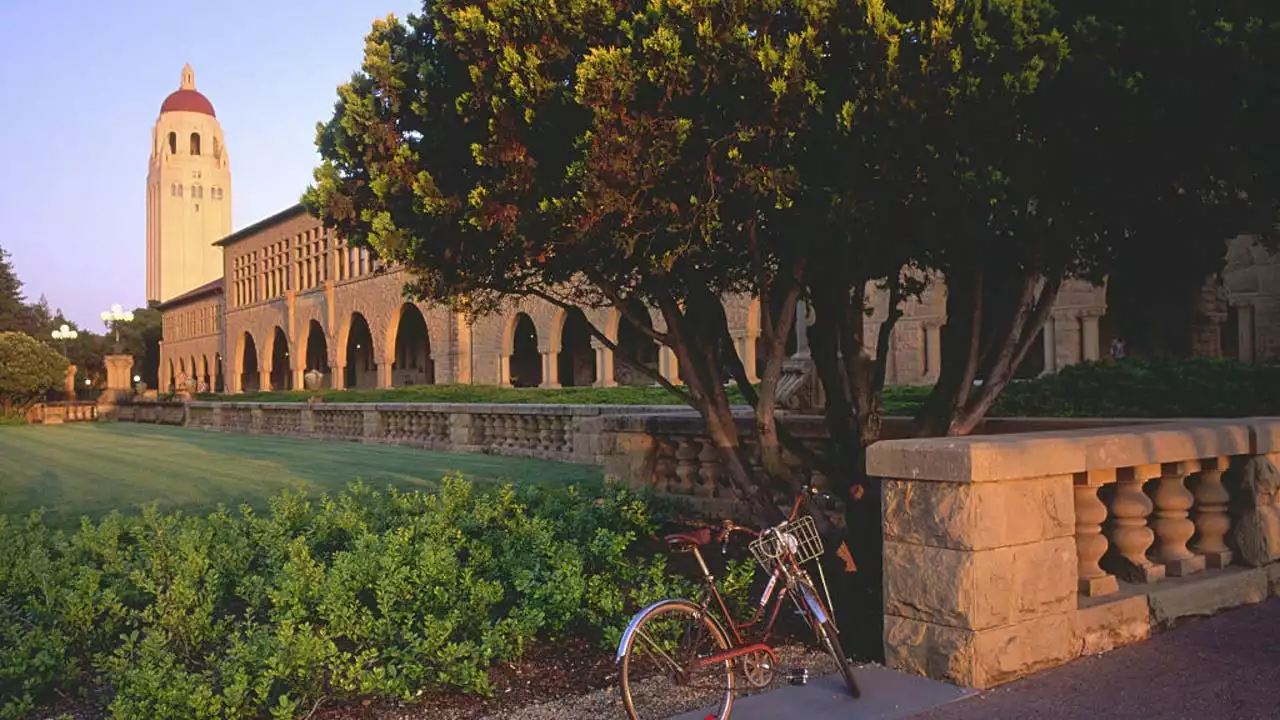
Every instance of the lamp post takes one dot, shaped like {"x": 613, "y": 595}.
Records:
{"x": 112, "y": 317}
{"x": 64, "y": 334}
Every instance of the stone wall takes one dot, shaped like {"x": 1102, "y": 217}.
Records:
{"x": 1007, "y": 555}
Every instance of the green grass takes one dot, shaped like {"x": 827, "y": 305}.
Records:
{"x": 90, "y": 469}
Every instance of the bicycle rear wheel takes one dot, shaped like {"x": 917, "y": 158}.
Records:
{"x": 658, "y": 678}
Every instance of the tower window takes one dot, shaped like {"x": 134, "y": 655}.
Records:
{"x": 195, "y": 143}
{"x": 173, "y": 143}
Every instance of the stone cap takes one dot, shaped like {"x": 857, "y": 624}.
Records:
{"x": 1043, "y": 454}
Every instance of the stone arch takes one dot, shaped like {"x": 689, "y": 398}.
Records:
{"x": 409, "y": 348}
{"x": 571, "y": 344}
{"x": 250, "y": 376}
{"x": 195, "y": 143}
{"x": 281, "y": 373}
{"x": 316, "y": 353}
{"x": 361, "y": 368}
{"x": 524, "y": 361}
{"x": 635, "y": 345}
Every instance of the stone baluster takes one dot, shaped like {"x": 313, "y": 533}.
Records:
{"x": 711, "y": 469}
{"x": 664, "y": 466}
{"x": 1172, "y": 525}
{"x": 686, "y": 466}
{"x": 1091, "y": 544}
{"x": 1212, "y": 521}
{"x": 1127, "y": 530}
{"x": 544, "y": 434}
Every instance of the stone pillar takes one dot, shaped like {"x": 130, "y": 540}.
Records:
{"x": 338, "y": 376}
{"x": 119, "y": 378}
{"x": 504, "y": 371}
{"x": 1050, "y": 345}
{"x": 550, "y": 369}
{"x": 969, "y": 601}
{"x": 264, "y": 380}
{"x": 69, "y": 383}
{"x": 384, "y": 375}
{"x": 746, "y": 348}
{"x": 1244, "y": 317}
{"x": 1089, "y": 340}
{"x": 299, "y": 379}
{"x": 933, "y": 349}
{"x": 604, "y": 365}
{"x": 669, "y": 365}
{"x": 802, "y": 329}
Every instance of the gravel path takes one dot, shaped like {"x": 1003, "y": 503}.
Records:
{"x": 1223, "y": 668}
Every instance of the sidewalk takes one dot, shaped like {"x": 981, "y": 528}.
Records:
{"x": 1222, "y": 668}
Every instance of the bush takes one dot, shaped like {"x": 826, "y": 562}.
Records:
{"x": 383, "y": 594}
{"x": 1148, "y": 388}
{"x": 28, "y": 369}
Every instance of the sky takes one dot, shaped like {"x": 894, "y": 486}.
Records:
{"x": 81, "y": 82}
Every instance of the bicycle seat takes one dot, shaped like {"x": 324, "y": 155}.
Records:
{"x": 699, "y": 537}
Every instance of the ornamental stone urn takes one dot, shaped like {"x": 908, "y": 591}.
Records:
{"x": 313, "y": 379}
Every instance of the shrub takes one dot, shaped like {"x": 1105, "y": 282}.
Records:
{"x": 384, "y": 594}
{"x": 1148, "y": 388}
{"x": 28, "y": 369}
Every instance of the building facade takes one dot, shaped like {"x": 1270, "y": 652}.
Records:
{"x": 188, "y": 194}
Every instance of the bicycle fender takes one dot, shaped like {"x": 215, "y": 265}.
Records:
{"x": 635, "y": 622}
{"x": 815, "y": 606}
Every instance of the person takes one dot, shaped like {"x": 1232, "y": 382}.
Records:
{"x": 202, "y": 387}
{"x": 1117, "y": 348}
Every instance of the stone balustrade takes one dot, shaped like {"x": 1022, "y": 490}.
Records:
{"x": 1005, "y": 555}
{"x": 141, "y": 411}
{"x": 54, "y": 413}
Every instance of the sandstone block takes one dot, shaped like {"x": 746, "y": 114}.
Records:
{"x": 1255, "y": 511}
{"x": 1103, "y": 627}
{"x": 978, "y": 516}
{"x": 1273, "y": 578}
{"x": 978, "y": 659}
{"x": 1206, "y": 595}
{"x": 982, "y": 589}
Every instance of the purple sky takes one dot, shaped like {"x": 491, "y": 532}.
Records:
{"x": 82, "y": 83}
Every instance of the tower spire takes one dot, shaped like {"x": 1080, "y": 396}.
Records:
{"x": 188, "y": 77}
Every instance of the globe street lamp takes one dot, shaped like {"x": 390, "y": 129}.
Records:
{"x": 111, "y": 318}
{"x": 64, "y": 334}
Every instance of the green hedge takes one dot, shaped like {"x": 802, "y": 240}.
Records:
{"x": 1148, "y": 388}
{"x": 368, "y": 594}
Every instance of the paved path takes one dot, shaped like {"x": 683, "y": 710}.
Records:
{"x": 1222, "y": 668}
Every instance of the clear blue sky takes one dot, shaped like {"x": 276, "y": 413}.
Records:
{"x": 81, "y": 84}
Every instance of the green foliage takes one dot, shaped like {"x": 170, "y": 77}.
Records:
{"x": 28, "y": 368}
{"x": 1148, "y": 388}
{"x": 13, "y": 309}
{"x": 382, "y": 594}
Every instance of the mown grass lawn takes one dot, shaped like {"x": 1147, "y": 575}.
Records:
{"x": 91, "y": 469}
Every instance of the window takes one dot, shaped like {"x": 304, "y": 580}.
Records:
{"x": 173, "y": 143}
{"x": 195, "y": 143}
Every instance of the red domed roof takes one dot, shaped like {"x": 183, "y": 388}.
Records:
{"x": 187, "y": 101}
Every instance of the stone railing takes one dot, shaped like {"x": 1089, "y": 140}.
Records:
{"x": 53, "y": 413}
{"x": 554, "y": 432}
{"x": 1005, "y": 555}
{"x": 140, "y": 411}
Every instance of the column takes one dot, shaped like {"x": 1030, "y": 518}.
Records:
{"x": 1089, "y": 337}
{"x": 338, "y": 377}
{"x": 384, "y": 374}
{"x": 1050, "y": 345}
{"x": 746, "y": 346}
{"x": 669, "y": 365}
{"x": 604, "y": 365}
{"x": 802, "y": 329}
{"x": 504, "y": 371}
{"x": 550, "y": 376}
{"x": 1172, "y": 526}
{"x": 932, "y": 349}
{"x": 264, "y": 379}
{"x": 1244, "y": 316}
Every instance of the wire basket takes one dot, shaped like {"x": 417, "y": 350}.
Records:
{"x": 801, "y": 537}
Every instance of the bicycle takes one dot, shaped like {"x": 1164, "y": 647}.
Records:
{"x": 681, "y": 652}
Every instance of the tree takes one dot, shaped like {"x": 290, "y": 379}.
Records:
{"x": 141, "y": 339}
{"x": 13, "y": 309}
{"x": 28, "y": 369}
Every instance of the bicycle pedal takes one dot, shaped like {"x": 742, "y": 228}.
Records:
{"x": 797, "y": 676}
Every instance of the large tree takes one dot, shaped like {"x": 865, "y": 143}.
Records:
{"x": 28, "y": 369}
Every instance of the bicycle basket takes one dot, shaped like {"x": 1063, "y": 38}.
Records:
{"x": 800, "y": 536}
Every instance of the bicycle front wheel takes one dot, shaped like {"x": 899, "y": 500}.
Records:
{"x": 661, "y": 676}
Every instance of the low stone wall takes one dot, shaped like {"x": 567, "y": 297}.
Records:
{"x": 55, "y": 413}
{"x": 142, "y": 411}
{"x": 1006, "y": 555}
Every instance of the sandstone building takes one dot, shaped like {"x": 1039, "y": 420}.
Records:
{"x": 289, "y": 299}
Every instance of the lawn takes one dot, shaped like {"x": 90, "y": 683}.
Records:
{"x": 90, "y": 469}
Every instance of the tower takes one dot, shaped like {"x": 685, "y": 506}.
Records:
{"x": 188, "y": 194}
